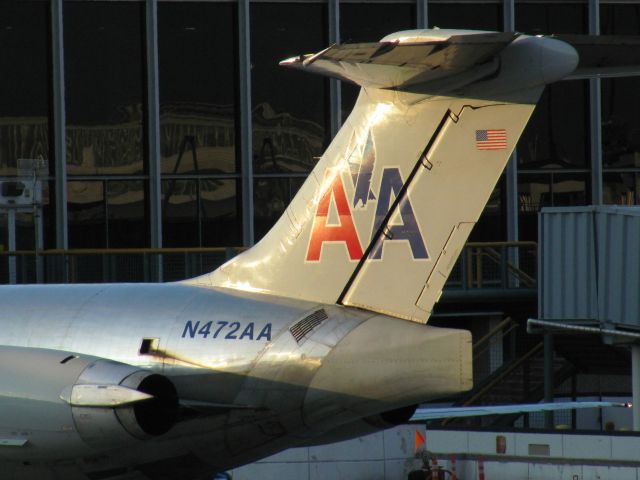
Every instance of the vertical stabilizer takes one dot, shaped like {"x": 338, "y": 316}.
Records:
{"x": 382, "y": 218}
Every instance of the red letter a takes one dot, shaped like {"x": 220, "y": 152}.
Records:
{"x": 345, "y": 232}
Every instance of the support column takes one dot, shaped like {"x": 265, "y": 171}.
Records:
{"x": 335, "y": 92}
{"x": 153, "y": 137}
{"x": 511, "y": 172}
{"x": 422, "y": 13}
{"x": 59, "y": 126}
{"x": 548, "y": 377}
{"x": 635, "y": 385}
{"x": 595, "y": 114}
{"x": 246, "y": 132}
{"x": 508, "y": 16}
{"x": 11, "y": 241}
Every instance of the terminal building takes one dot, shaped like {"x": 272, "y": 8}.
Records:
{"x": 168, "y": 139}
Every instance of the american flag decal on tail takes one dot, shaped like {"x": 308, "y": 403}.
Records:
{"x": 495, "y": 139}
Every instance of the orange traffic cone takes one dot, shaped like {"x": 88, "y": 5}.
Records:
{"x": 481, "y": 469}
{"x": 419, "y": 441}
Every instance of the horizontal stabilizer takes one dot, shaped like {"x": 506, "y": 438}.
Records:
{"x": 381, "y": 220}
{"x": 604, "y": 55}
{"x": 423, "y": 414}
{"x": 400, "y": 64}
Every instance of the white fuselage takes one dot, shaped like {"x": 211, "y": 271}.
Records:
{"x": 275, "y": 386}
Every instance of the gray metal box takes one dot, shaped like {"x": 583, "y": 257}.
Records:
{"x": 589, "y": 264}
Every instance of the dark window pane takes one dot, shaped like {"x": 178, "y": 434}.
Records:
{"x": 369, "y": 22}
{"x": 289, "y": 107}
{"x": 620, "y": 104}
{"x": 570, "y": 189}
{"x": 86, "y": 213}
{"x": 180, "y": 213}
{"x": 271, "y": 197}
{"x": 197, "y": 86}
{"x": 620, "y": 19}
{"x": 220, "y": 213}
{"x": 620, "y": 188}
{"x": 104, "y": 68}
{"x": 491, "y": 226}
{"x": 534, "y": 192}
{"x": 366, "y": 22}
{"x": 620, "y": 122}
{"x": 212, "y": 221}
{"x": 24, "y": 83}
{"x": 548, "y": 190}
{"x": 557, "y": 134}
{"x": 472, "y": 16}
{"x": 553, "y": 17}
{"x": 127, "y": 225}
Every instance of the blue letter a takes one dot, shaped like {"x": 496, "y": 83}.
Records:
{"x": 392, "y": 184}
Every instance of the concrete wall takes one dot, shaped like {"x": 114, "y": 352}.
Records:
{"x": 389, "y": 455}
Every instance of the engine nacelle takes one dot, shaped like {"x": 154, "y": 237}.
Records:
{"x": 54, "y": 402}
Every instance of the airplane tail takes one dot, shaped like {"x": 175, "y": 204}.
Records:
{"x": 380, "y": 221}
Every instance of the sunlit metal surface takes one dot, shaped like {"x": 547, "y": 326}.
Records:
{"x": 301, "y": 337}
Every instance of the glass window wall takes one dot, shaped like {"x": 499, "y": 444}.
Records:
{"x": 196, "y": 46}
{"x": 289, "y": 107}
{"x": 24, "y": 83}
{"x": 472, "y": 16}
{"x": 620, "y": 122}
{"x": 557, "y": 138}
{"x": 104, "y": 73}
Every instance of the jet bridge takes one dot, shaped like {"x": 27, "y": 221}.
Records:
{"x": 589, "y": 276}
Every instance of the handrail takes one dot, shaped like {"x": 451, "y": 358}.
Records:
{"x": 524, "y": 243}
{"x": 491, "y": 333}
{"x": 502, "y": 374}
{"x": 521, "y": 274}
{"x": 498, "y": 378}
{"x": 130, "y": 251}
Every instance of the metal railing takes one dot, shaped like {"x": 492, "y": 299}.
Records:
{"x": 110, "y": 265}
{"x": 480, "y": 266}
{"x": 503, "y": 265}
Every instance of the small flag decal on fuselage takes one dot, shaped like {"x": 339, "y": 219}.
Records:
{"x": 495, "y": 139}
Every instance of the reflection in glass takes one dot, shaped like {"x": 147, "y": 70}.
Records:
{"x": 86, "y": 214}
{"x": 24, "y": 83}
{"x": 620, "y": 188}
{"x": 197, "y": 87}
{"x": 369, "y": 22}
{"x": 534, "y": 192}
{"x": 271, "y": 197}
{"x": 557, "y": 136}
{"x": 126, "y": 223}
{"x": 104, "y": 67}
{"x": 552, "y": 189}
{"x": 570, "y": 189}
{"x": 289, "y": 107}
